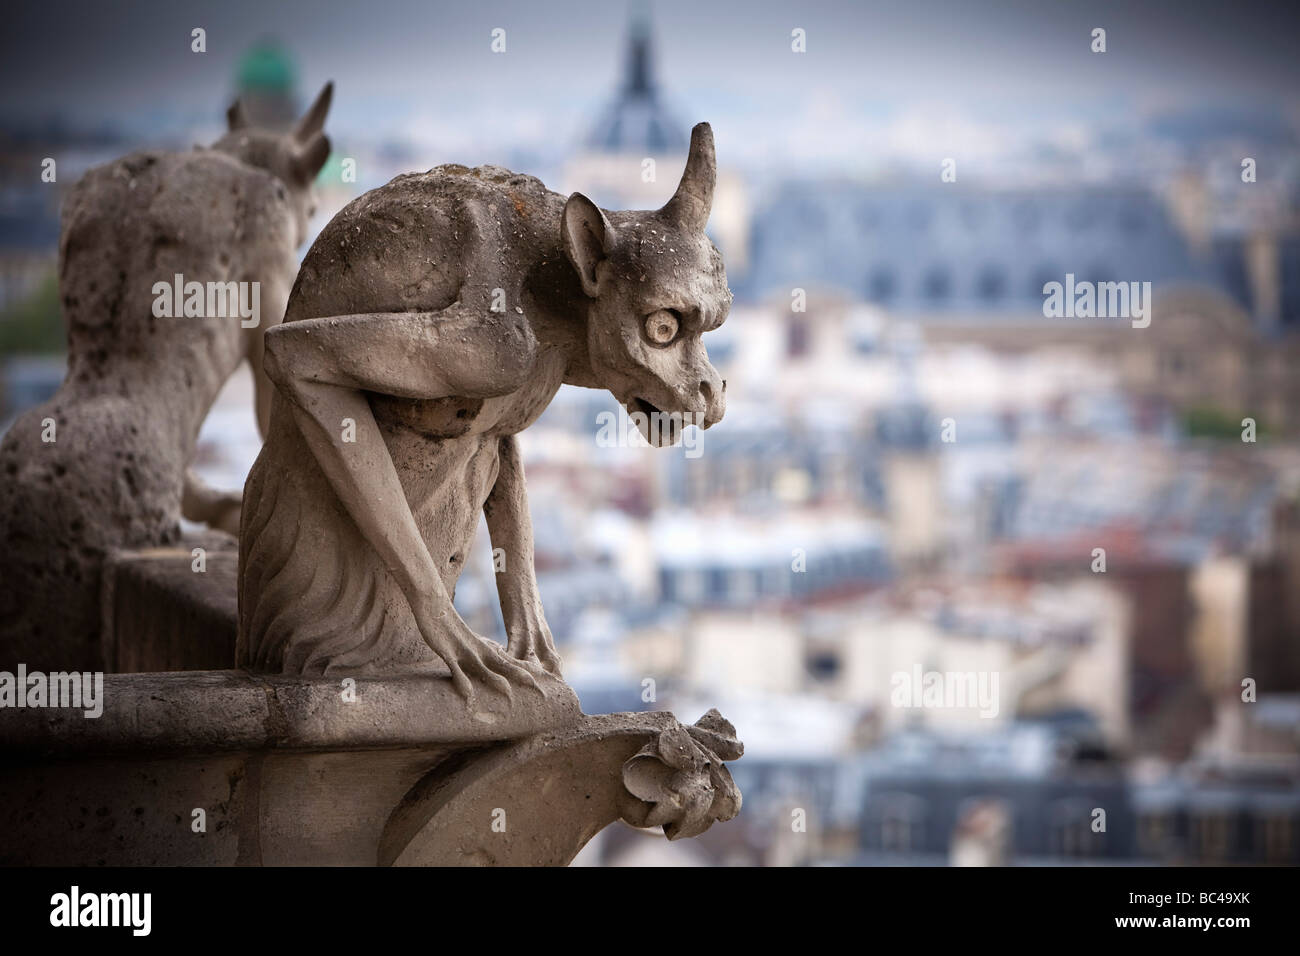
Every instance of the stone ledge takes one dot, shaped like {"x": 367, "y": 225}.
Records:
{"x": 209, "y": 712}
{"x": 159, "y": 614}
{"x": 430, "y": 806}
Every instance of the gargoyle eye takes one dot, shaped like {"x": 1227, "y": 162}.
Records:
{"x": 661, "y": 326}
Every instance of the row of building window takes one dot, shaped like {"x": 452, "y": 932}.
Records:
{"x": 1022, "y": 216}
{"x": 901, "y": 823}
{"x": 990, "y": 285}
{"x": 739, "y": 586}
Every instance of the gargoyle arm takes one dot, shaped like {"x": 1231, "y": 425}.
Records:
{"x": 324, "y": 367}
{"x": 275, "y": 297}
{"x": 459, "y": 352}
{"x": 262, "y": 387}
{"x": 511, "y": 530}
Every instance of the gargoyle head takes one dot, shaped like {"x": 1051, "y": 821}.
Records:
{"x": 655, "y": 284}
{"x": 294, "y": 157}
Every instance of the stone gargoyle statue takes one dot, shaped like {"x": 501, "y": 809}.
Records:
{"x": 103, "y": 465}
{"x": 432, "y": 320}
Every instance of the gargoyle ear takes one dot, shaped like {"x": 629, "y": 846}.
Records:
{"x": 310, "y": 157}
{"x": 588, "y": 238}
{"x": 313, "y": 121}
{"x": 690, "y": 205}
{"x": 236, "y": 118}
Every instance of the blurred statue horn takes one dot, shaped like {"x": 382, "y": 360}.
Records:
{"x": 236, "y": 118}
{"x": 313, "y": 121}
{"x": 690, "y": 205}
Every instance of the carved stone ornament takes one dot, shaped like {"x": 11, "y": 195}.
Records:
{"x": 432, "y": 320}
{"x": 679, "y": 781}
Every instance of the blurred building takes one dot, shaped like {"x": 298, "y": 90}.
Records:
{"x": 968, "y": 264}
{"x": 925, "y": 797}
{"x": 948, "y": 249}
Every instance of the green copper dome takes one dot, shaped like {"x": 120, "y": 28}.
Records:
{"x": 266, "y": 68}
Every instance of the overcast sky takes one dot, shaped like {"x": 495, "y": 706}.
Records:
{"x": 424, "y": 69}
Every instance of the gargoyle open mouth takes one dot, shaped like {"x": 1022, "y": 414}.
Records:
{"x": 644, "y": 406}
{"x": 658, "y": 427}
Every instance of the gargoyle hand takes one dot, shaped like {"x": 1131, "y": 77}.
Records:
{"x": 530, "y": 636}
{"x": 470, "y": 658}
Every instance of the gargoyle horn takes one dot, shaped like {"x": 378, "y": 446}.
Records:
{"x": 313, "y": 121}
{"x": 693, "y": 200}
{"x": 236, "y": 117}
{"x": 313, "y": 145}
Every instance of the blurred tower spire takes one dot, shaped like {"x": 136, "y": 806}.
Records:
{"x": 640, "y": 69}
{"x": 635, "y": 122}
{"x": 634, "y": 152}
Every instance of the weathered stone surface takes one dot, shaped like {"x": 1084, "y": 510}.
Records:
{"x": 125, "y": 420}
{"x": 160, "y": 614}
{"x": 538, "y": 802}
{"x": 432, "y": 320}
{"x": 286, "y": 771}
{"x": 216, "y": 711}
{"x": 679, "y": 780}
{"x": 271, "y": 809}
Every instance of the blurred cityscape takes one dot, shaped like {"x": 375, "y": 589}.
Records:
{"x": 919, "y": 474}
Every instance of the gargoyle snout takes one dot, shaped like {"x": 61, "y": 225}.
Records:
{"x": 713, "y": 391}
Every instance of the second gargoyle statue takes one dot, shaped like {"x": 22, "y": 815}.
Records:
{"x": 433, "y": 319}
